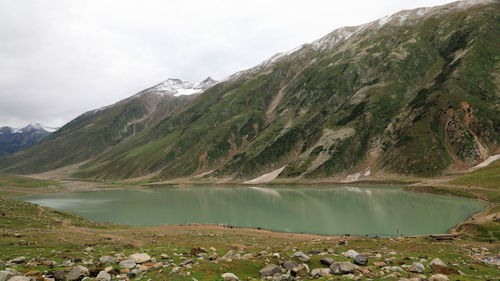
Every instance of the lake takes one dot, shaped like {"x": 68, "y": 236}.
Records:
{"x": 383, "y": 211}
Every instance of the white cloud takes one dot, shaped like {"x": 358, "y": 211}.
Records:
{"x": 60, "y": 58}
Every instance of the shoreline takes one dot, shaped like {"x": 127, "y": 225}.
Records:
{"x": 419, "y": 188}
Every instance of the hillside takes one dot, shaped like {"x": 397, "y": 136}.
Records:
{"x": 13, "y": 139}
{"x": 415, "y": 94}
{"x": 93, "y": 132}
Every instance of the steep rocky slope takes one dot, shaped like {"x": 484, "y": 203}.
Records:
{"x": 93, "y": 132}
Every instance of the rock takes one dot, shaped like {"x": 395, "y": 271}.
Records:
{"x": 284, "y": 277}
{"x": 276, "y": 255}
{"x": 67, "y": 263}
{"x": 164, "y": 256}
{"x": 361, "y": 260}
{"x": 7, "y": 274}
{"x": 394, "y": 268}
{"x": 229, "y": 277}
{"x": 350, "y": 254}
{"x": 129, "y": 264}
{"x": 78, "y": 273}
{"x": 197, "y": 251}
{"x": 302, "y": 271}
{"x": 269, "y": 270}
{"x": 20, "y": 278}
{"x": 320, "y": 272}
{"x": 87, "y": 279}
{"x": 439, "y": 277}
{"x": 230, "y": 255}
{"x": 140, "y": 257}
{"x": 103, "y": 276}
{"x": 18, "y": 260}
{"x": 150, "y": 266}
{"x": 89, "y": 249}
{"x": 301, "y": 256}
{"x": 107, "y": 259}
{"x": 289, "y": 265}
{"x": 343, "y": 268}
{"x": 416, "y": 267}
{"x": 131, "y": 275}
{"x": 379, "y": 263}
{"x": 437, "y": 261}
{"x": 327, "y": 261}
{"x": 59, "y": 275}
{"x": 175, "y": 269}
{"x": 213, "y": 256}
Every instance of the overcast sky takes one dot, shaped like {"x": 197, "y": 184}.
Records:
{"x": 60, "y": 58}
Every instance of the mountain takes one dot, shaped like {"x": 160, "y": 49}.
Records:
{"x": 96, "y": 131}
{"x": 13, "y": 140}
{"x": 415, "y": 93}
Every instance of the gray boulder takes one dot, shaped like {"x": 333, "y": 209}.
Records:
{"x": 350, "y": 254}
{"x": 439, "y": 277}
{"x": 270, "y": 270}
{"x": 59, "y": 275}
{"x": 437, "y": 261}
{"x": 228, "y": 276}
{"x": 289, "y": 265}
{"x": 103, "y": 276}
{"x": 361, "y": 260}
{"x": 340, "y": 268}
{"x": 140, "y": 257}
{"x": 302, "y": 271}
{"x": 129, "y": 264}
{"x": 417, "y": 267}
{"x": 7, "y": 274}
{"x": 301, "y": 256}
{"x": 326, "y": 261}
{"x": 78, "y": 273}
{"x": 18, "y": 260}
{"x": 107, "y": 259}
{"x": 320, "y": 272}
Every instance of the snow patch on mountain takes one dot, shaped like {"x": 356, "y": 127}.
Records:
{"x": 177, "y": 87}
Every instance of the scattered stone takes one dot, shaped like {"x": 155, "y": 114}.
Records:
{"x": 229, "y": 277}
{"x": 301, "y": 256}
{"x": 89, "y": 249}
{"x": 350, "y": 254}
{"x": 379, "y": 263}
{"x": 270, "y": 270}
{"x": 198, "y": 250}
{"x": 284, "y": 277}
{"x": 164, "y": 256}
{"x": 416, "y": 267}
{"x": 320, "y": 272}
{"x": 7, "y": 274}
{"x": 103, "y": 276}
{"x": 276, "y": 255}
{"x": 302, "y": 271}
{"x": 361, "y": 260}
{"x": 129, "y": 264}
{"x": 343, "y": 268}
{"x": 78, "y": 273}
{"x": 59, "y": 275}
{"x": 289, "y": 265}
{"x": 131, "y": 275}
{"x": 437, "y": 261}
{"x": 140, "y": 257}
{"x": 213, "y": 256}
{"x": 67, "y": 263}
{"x": 18, "y": 260}
{"x": 107, "y": 259}
{"x": 175, "y": 269}
{"x": 20, "y": 278}
{"x": 439, "y": 277}
{"x": 230, "y": 255}
{"x": 150, "y": 266}
{"x": 326, "y": 261}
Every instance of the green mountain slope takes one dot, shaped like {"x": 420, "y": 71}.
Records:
{"x": 415, "y": 94}
{"x": 94, "y": 132}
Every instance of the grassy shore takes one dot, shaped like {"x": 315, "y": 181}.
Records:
{"x": 41, "y": 234}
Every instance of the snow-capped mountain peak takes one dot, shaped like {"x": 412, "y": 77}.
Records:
{"x": 177, "y": 87}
